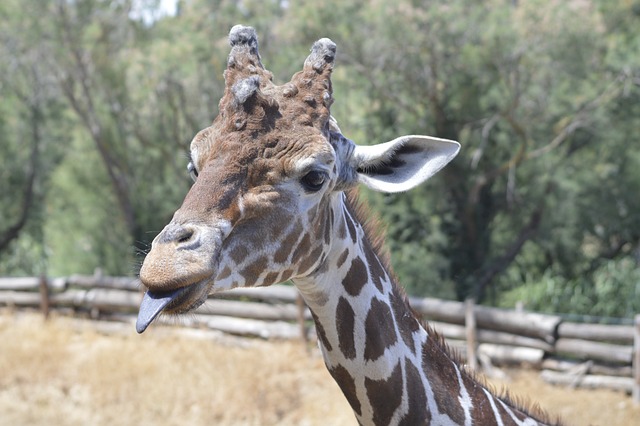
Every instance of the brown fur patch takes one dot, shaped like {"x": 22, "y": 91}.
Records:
{"x": 356, "y": 277}
{"x": 345, "y": 324}
{"x": 443, "y": 377}
{"x": 342, "y": 258}
{"x": 286, "y": 275}
{"x": 322, "y": 335}
{"x": 239, "y": 253}
{"x": 418, "y": 412}
{"x": 302, "y": 248}
{"x": 310, "y": 260}
{"x": 385, "y": 396}
{"x": 226, "y": 272}
{"x": 348, "y": 386}
{"x": 289, "y": 241}
{"x": 407, "y": 324}
{"x": 342, "y": 230}
{"x": 351, "y": 227}
{"x": 252, "y": 271}
{"x": 376, "y": 270}
{"x": 271, "y": 278}
{"x": 379, "y": 330}
{"x": 328, "y": 225}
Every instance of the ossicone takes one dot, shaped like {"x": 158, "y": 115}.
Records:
{"x": 244, "y": 42}
{"x": 323, "y": 54}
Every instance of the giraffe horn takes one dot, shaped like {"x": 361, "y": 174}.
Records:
{"x": 245, "y": 73}
{"x": 323, "y": 54}
{"x": 244, "y": 42}
{"x": 314, "y": 81}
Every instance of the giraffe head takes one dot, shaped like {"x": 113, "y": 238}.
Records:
{"x": 266, "y": 174}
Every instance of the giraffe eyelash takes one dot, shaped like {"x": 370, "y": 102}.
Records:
{"x": 191, "y": 168}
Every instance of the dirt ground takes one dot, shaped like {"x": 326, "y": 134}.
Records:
{"x": 70, "y": 372}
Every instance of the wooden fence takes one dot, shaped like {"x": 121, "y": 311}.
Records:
{"x": 570, "y": 353}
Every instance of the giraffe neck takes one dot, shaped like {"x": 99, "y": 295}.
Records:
{"x": 390, "y": 368}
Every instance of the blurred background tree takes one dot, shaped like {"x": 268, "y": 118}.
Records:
{"x": 100, "y": 100}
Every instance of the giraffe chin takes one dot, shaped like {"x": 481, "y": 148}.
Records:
{"x": 176, "y": 301}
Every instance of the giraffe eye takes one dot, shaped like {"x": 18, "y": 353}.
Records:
{"x": 313, "y": 181}
{"x": 192, "y": 171}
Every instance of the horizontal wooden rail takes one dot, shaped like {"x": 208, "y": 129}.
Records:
{"x": 522, "y": 323}
{"x": 622, "y": 334}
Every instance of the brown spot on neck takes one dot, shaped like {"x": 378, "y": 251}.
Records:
{"x": 385, "y": 396}
{"x": 379, "y": 330}
{"x": 342, "y": 258}
{"x": 322, "y": 335}
{"x": 348, "y": 386}
{"x": 345, "y": 325}
{"x": 252, "y": 271}
{"x": 356, "y": 277}
{"x": 407, "y": 324}
{"x": 418, "y": 413}
{"x": 442, "y": 374}
{"x": 351, "y": 226}
{"x": 375, "y": 268}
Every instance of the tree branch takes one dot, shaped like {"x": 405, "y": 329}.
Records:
{"x": 500, "y": 264}
{"x": 13, "y": 231}
{"x": 85, "y": 108}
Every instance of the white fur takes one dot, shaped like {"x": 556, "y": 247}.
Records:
{"x": 428, "y": 156}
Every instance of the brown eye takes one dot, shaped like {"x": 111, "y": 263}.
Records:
{"x": 313, "y": 181}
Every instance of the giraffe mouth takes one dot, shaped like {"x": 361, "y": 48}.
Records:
{"x": 176, "y": 301}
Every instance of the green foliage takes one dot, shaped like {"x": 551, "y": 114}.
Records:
{"x": 613, "y": 290}
{"x": 33, "y": 126}
{"x": 541, "y": 205}
{"x": 84, "y": 228}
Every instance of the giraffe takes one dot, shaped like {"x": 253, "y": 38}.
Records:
{"x": 273, "y": 199}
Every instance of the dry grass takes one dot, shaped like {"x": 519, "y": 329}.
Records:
{"x": 65, "y": 372}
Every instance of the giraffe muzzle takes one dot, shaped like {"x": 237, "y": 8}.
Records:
{"x": 181, "y": 255}
{"x": 179, "y": 270}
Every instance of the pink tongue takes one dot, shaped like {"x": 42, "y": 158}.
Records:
{"x": 151, "y": 306}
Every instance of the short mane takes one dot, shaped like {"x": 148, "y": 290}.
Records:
{"x": 374, "y": 230}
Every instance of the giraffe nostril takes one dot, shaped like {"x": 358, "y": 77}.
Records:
{"x": 187, "y": 239}
{"x": 177, "y": 234}
{"x": 185, "y": 236}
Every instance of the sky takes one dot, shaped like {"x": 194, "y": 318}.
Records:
{"x": 151, "y": 10}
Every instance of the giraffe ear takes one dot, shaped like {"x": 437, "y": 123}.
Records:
{"x": 402, "y": 163}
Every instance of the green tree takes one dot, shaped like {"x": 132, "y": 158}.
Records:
{"x": 32, "y": 131}
{"x": 528, "y": 89}
{"x": 99, "y": 107}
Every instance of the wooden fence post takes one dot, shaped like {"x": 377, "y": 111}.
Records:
{"x": 471, "y": 333}
{"x": 44, "y": 296}
{"x": 636, "y": 360}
